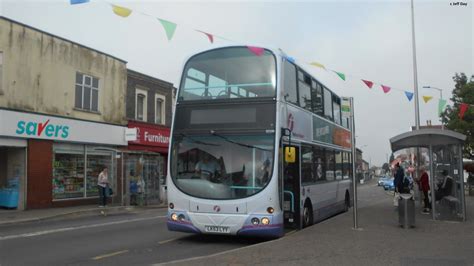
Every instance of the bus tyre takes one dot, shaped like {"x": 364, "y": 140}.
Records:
{"x": 307, "y": 214}
{"x": 347, "y": 202}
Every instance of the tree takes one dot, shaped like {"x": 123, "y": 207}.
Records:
{"x": 463, "y": 93}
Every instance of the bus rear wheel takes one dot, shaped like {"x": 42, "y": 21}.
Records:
{"x": 307, "y": 214}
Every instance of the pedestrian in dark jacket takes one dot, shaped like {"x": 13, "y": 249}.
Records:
{"x": 425, "y": 187}
{"x": 398, "y": 180}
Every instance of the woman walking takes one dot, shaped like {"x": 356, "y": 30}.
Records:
{"x": 102, "y": 183}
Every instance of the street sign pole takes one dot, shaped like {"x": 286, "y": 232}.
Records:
{"x": 354, "y": 155}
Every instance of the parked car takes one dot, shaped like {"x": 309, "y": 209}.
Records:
{"x": 388, "y": 184}
{"x": 381, "y": 180}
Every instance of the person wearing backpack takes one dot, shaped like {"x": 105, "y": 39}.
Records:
{"x": 399, "y": 179}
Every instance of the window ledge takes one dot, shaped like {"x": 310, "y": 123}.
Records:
{"x": 86, "y": 111}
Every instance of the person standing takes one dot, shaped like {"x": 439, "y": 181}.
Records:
{"x": 425, "y": 187}
{"x": 102, "y": 183}
{"x": 398, "y": 179}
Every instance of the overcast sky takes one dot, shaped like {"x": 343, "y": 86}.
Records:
{"x": 363, "y": 39}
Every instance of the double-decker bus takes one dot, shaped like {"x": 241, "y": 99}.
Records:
{"x": 257, "y": 145}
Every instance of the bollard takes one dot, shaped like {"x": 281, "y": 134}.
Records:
{"x": 406, "y": 211}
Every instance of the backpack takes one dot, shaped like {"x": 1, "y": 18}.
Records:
{"x": 406, "y": 184}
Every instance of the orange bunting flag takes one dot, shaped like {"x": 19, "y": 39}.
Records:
{"x": 426, "y": 99}
{"x": 316, "y": 64}
{"x": 368, "y": 83}
{"x": 386, "y": 89}
{"x": 462, "y": 110}
{"x": 209, "y": 36}
{"x": 121, "y": 11}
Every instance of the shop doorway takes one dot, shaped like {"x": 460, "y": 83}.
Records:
{"x": 12, "y": 177}
{"x": 143, "y": 174}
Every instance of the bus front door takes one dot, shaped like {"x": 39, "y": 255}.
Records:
{"x": 291, "y": 192}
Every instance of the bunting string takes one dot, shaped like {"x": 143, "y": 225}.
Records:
{"x": 171, "y": 27}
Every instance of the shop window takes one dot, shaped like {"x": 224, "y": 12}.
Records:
{"x": 68, "y": 173}
{"x": 87, "y": 92}
{"x": 70, "y": 162}
{"x": 12, "y": 177}
{"x": 141, "y": 105}
{"x": 289, "y": 89}
{"x": 160, "y": 109}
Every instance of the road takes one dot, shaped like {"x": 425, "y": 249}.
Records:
{"x": 139, "y": 238}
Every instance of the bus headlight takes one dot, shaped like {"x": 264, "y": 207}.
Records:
{"x": 174, "y": 217}
{"x": 171, "y": 205}
{"x": 255, "y": 221}
{"x": 270, "y": 210}
{"x": 181, "y": 217}
{"x": 265, "y": 221}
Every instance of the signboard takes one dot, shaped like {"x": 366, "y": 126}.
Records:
{"x": 150, "y": 135}
{"x": 329, "y": 133}
{"x": 33, "y": 126}
{"x": 299, "y": 122}
{"x": 131, "y": 134}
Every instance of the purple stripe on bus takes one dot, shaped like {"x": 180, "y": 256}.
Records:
{"x": 182, "y": 227}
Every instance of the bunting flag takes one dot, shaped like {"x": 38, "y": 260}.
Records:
{"x": 75, "y": 2}
{"x": 462, "y": 109}
{"x": 258, "y": 51}
{"x": 386, "y": 89}
{"x": 341, "y": 75}
{"x": 426, "y": 99}
{"x": 121, "y": 11}
{"x": 290, "y": 59}
{"x": 368, "y": 83}
{"x": 316, "y": 64}
{"x": 209, "y": 36}
{"x": 441, "y": 106}
{"x": 169, "y": 27}
{"x": 409, "y": 95}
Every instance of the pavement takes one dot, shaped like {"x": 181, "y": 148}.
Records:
{"x": 15, "y": 216}
{"x": 378, "y": 241}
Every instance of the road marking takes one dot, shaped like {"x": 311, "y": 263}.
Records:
{"x": 110, "y": 255}
{"x": 169, "y": 240}
{"x": 77, "y": 228}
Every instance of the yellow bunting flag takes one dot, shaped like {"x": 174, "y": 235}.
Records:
{"x": 426, "y": 99}
{"x": 316, "y": 64}
{"x": 121, "y": 11}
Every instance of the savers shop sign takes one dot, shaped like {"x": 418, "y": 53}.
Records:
{"x": 44, "y": 129}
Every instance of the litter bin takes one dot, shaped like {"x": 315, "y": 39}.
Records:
{"x": 406, "y": 211}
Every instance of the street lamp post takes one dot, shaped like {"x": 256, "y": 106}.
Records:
{"x": 440, "y": 96}
{"x": 415, "y": 75}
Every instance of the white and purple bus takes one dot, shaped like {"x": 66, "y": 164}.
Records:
{"x": 257, "y": 145}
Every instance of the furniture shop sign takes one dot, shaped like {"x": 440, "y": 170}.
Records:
{"x": 35, "y": 126}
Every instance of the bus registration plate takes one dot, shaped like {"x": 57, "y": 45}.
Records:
{"x": 217, "y": 229}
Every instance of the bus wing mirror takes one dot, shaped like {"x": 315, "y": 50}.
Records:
{"x": 286, "y": 132}
{"x": 290, "y": 154}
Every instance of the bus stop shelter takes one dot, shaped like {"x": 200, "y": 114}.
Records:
{"x": 443, "y": 150}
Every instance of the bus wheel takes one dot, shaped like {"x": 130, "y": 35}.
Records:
{"x": 347, "y": 202}
{"x": 307, "y": 214}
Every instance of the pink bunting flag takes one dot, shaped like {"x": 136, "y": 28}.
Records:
{"x": 258, "y": 51}
{"x": 462, "y": 110}
{"x": 368, "y": 83}
{"x": 209, "y": 36}
{"x": 386, "y": 89}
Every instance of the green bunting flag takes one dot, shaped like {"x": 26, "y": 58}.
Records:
{"x": 341, "y": 75}
{"x": 441, "y": 106}
{"x": 169, "y": 27}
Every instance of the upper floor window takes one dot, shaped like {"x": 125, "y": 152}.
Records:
{"x": 328, "y": 104}
{"x": 289, "y": 87}
{"x": 304, "y": 86}
{"x": 87, "y": 92}
{"x": 159, "y": 109}
{"x": 140, "y": 105}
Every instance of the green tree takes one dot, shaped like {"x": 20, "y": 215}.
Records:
{"x": 463, "y": 93}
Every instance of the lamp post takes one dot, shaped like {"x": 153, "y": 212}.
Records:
{"x": 440, "y": 96}
{"x": 415, "y": 75}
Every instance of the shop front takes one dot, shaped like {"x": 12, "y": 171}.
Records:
{"x": 145, "y": 164}
{"x": 53, "y": 161}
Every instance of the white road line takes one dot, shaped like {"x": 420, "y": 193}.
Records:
{"x": 169, "y": 240}
{"x": 39, "y": 233}
{"x": 110, "y": 255}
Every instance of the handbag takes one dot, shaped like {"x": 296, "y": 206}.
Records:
{"x": 396, "y": 197}
{"x": 109, "y": 192}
